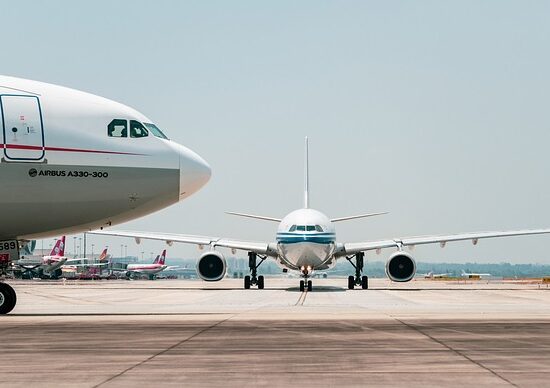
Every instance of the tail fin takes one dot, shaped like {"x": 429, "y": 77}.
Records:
{"x": 162, "y": 259}
{"x": 59, "y": 247}
{"x": 156, "y": 260}
{"x": 103, "y": 255}
{"x": 306, "y": 176}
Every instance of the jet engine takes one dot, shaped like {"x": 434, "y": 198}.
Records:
{"x": 400, "y": 267}
{"x": 211, "y": 266}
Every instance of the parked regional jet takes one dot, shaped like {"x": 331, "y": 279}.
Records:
{"x": 148, "y": 269}
{"x": 47, "y": 265}
{"x": 71, "y": 161}
{"x": 306, "y": 242}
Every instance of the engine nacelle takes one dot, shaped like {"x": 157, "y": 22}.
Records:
{"x": 211, "y": 266}
{"x": 400, "y": 267}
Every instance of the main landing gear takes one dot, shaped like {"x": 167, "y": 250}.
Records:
{"x": 8, "y": 299}
{"x": 358, "y": 280}
{"x": 253, "y": 279}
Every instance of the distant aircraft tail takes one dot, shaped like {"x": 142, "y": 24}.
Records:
{"x": 59, "y": 247}
{"x": 162, "y": 259}
{"x": 156, "y": 260}
{"x": 103, "y": 255}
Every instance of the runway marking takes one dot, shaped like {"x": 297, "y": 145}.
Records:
{"x": 457, "y": 352}
{"x": 162, "y": 352}
{"x": 301, "y": 299}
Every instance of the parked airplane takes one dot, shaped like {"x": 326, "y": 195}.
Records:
{"x": 475, "y": 275}
{"x": 306, "y": 242}
{"x": 148, "y": 269}
{"x": 103, "y": 261}
{"x": 431, "y": 275}
{"x": 71, "y": 161}
{"x": 47, "y": 265}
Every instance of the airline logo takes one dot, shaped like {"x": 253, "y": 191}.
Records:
{"x": 59, "y": 248}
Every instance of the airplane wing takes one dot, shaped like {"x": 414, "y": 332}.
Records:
{"x": 351, "y": 248}
{"x": 251, "y": 246}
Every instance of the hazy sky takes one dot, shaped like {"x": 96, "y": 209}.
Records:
{"x": 436, "y": 111}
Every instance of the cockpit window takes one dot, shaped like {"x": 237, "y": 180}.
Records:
{"x": 117, "y": 128}
{"x": 137, "y": 129}
{"x": 310, "y": 228}
{"x": 292, "y": 228}
{"x": 155, "y": 130}
{"x": 301, "y": 228}
{"x": 318, "y": 228}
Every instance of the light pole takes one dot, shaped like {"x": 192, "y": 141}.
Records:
{"x": 74, "y": 246}
{"x": 121, "y": 246}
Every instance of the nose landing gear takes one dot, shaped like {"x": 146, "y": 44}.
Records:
{"x": 358, "y": 279}
{"x": 253, "y": 279}
{"x": 305, "y": 283}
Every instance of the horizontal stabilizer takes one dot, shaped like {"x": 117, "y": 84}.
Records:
{"x": 256, "y": 217}
{"x": 359, "y": 216}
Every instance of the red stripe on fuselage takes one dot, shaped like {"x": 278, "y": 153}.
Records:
{"x": 61, "y": 149}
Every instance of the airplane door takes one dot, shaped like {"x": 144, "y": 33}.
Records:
{"x": 22, "y": 128}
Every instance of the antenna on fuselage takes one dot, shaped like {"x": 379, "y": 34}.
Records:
{"x": 306, "y": 177}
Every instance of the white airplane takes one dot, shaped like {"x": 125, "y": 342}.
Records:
{"x": 475, "y": 275}
{"x": 151, "y": 270}
{"x": 431, "y": 275}
{"x": 73, "y": 264}
{"x": 306, "y": 242}
{"x": 71, "y": 161}
{"x": 49, "y": 265}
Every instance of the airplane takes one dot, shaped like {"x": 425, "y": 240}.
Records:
{"x": 475, "y": 275}
{"x": 431, "y": 275}
{"x": 73, "y": 264}
{"x": 151, "y": 270}
{"x": 49, "y": 265}
{"x": 71, "y": 161}
{"x": 306, "y": 242}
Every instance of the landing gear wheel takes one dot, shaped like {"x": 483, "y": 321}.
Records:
{"x": 309, "y": 285}
{"x": 302, "y": 285}
{"x": 247, "y": 282}
{"x": 8, "y": 298}
{"x": 351, "y": 282}
{"x": 260, "y": 282}
{"x": 365, "y": 282}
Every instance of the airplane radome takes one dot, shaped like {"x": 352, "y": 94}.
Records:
{"x": 72, "y": 161}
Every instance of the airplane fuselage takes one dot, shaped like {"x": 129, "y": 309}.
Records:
{"x": 149, "y": 269}
{"x": 72, "y": 161}
{"x": 306, "y": 241}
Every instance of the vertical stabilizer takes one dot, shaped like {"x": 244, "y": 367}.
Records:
{"x": 103, "y": 255}
{"x": 59, "y": 247}
{"x": 156, "y": 259}
{"x": 306, "y": 176}
{"x": 162, "y": 259}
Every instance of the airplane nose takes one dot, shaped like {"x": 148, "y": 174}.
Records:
{"x": 194, "y": 173}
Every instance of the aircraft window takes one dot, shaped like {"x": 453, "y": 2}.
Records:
{"x": 301, "y": 228}
{"x": 137, "y": 129}
{"x": 292, "y": 228}
{"x": 155, "y": 130}
{"x": 318, "y": 228}
{"x": 117, "y": 128}
{"x": 310, "y": 228}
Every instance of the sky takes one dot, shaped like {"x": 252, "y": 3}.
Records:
{"x": 436, "y": 112}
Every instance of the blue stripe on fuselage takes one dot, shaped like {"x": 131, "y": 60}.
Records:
{"x": 317, "y": 238}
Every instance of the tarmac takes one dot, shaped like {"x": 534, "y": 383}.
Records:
{"x": 424, "y": 333}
